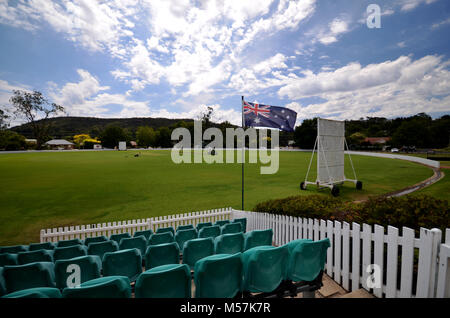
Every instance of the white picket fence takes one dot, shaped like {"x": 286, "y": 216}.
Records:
{"x": 353, "y": 248}
{"x": 131, "y": 226}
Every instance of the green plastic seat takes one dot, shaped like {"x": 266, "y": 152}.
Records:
{"x": 166, "y": 281}
{"x": 95, "y": 239}
{"x": 69, "y": 252}
{"x": 8, "y": 259}
{"x": 243, "y": 222}
{"x": 35, "y": 256}
{"x": 2, "y": 283}
{"x": 231, "y": 228}
{"x": 39, "y": 274}
{"x": 165, "y": 230}
{"x": 229, "y": 243}
{"x": 202, "y": 225}
{"x": 306, "y": 259}
{"x": 123, "y": 263}
{"x": 145, "y": 233}
{"x": 101, "y": 248}
{"x": 134, "y": 242}
{"x": 41, "y": 246}
{"x": 222, "y": 222}
{"x": 209, "y": 231}
{"x": 90, "y": 266}
{"x": 218, "y": 276}
{"x": 103, "y": 287}
{"x": 185, "y": 227}
{"x": 67, "y": 243}
{"x": 118, "y": 237}
{"x": 162, "y": 254}
{"x": 13, "y": 249}
{"x": 264, "y": 268}
{"x": 183, "y": 236}
{"x": 161, "y": 238}
{"x": 38, "y": 292}
{"x": 197, "y": 249}
{"x": 258, "y": 238}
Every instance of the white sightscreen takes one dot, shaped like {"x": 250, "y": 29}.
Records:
{"x": 330, "y": 160}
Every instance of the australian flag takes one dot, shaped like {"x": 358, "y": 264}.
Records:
{"x": 257, "y": 115}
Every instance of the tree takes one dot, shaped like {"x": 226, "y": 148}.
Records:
{"x": 10, "y": 140}
{"x": 79, "y": 139}
{"x": 111, "y": 136}
{"x": 305, "y": 135}
{"x": 163, "y": 138}
{"x": 35, "y": 109}
{"x": 3, "y": 118}
{"x": 146, "y": 136}
{"x": 356, "y": 139}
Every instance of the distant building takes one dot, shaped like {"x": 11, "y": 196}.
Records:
{"x": 31, "y": 141}
{"x": 133, "y": 144}
{"x": 377, "y": 140}
{"x": 59, "y": 144}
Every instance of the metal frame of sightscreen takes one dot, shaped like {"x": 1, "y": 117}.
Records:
{"x": 318, "y": 148}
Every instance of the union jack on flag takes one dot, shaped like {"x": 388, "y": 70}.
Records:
{"x": 258, "y": 115}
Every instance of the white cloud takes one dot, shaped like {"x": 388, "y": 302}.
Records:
{"x": 440, "y": 24}
{"x": 336, "y": 27}
{"x": 408, "y": 5}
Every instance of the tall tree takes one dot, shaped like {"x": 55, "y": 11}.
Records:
{"x": 3, "y": 118}
{"x": 111, "y": 136}
{"x": 146, "y": 136}
{"x": 35, "y": 109}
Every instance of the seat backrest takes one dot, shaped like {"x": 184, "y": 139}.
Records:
{"x": 202, "y": 225}
{"x": 101, "y": 248}
{"x": 69, "y": 252}
{"x": 138, "y": 242}
{"x": 13, "y": 249}
{"x": 222, "y": 222}
{"x": 35, "y": 256}
{"x": 229, "y": 243}
{"x": 197, "y": 249}
{"x": 96, "y": 239}
{"x": 264, "y": 268}
{"x": 39, "y": 274}
{"x": 8, "y": 259}
{"x": 218, "y": 276}
{"x": 2, "y": 283}
{"x": 103, "y": 287}
{"x": 183, "y": 236}
{"x": 89, "y": 267}
{"x": 123, "y": 263}
{"x": 161, "y": 238}
{"x": 258, "y": 238}
{"x": 41, "y": 246}
{"x": 165, "y": 230}
{"x": 37, "y": 292}
{"x": 145, "y": 233}
{"x": 67, "y": 243}
{"x": 209, "y": 231}
{"x": 166, "y": 281}
{"x": 118, "y": 237}
{"x": 231, "y": 228}
{"x": 243, "y": 222}
{"x": 185, "y": 227}
{"x": 162, "y": 254}
{"x": 306, "y": 259}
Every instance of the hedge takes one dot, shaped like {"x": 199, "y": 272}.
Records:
{"x": 410, "y": 211}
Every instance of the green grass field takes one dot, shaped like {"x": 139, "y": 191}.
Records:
{"x": 46, "y": 190}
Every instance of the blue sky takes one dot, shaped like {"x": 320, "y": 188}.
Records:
{"x": 160, "y": 58}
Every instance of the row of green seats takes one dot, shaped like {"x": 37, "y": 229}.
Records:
{"x": 261, "y": 269}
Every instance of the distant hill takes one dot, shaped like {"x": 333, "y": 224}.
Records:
{"x": 68, "y": 126}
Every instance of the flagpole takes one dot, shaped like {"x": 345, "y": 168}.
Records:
{"x": 243, "y": 152}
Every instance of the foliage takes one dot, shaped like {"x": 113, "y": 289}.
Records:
{"x": 80, "y": 139}
{"x": 146, "y": 136}
{"x": 10, "y": 140}
{"x": 410, "y": 211}
{"x": 32, "y": 107}
{"x": 111, "y": 136}
{"x": 3, "y": 118}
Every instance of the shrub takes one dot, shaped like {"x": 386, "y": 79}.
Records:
{"x": 410, "y": 211}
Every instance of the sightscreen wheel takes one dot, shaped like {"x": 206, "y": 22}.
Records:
{"x": 358, "y": 185}
{"x": 302, "y": 186}
{"x": 335, "y": 191}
